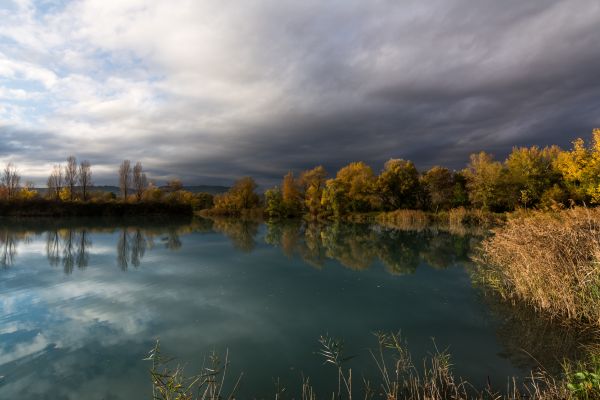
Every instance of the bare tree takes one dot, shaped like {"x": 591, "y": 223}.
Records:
{"x": 71, "y": 175}
{"x": 10, "y": 180}
{"x": 140, "y": 183}
{"x": 85, "y": 178}
{"x": 55, "y": 182}
{"x": 125, "y": 178}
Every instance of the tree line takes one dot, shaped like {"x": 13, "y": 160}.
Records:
{"x": 73, "y": 182}
{"x": 530, "y": 177}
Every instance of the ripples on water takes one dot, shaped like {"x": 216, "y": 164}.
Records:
{"x": 82, "y": 302}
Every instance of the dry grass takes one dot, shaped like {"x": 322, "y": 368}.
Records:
{"x": 549, "y": 260}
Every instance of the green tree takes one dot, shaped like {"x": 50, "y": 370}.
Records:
{"x": 274, "y": 203}
{"x": 460, "y": 193}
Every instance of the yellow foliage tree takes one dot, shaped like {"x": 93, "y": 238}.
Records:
{"x": 580, "y": 169}
{"x": 65, "y": 194}
{"x": 27, "y": 193}
{"x": 313, "y": 183}
{"x": 357, "y": 183}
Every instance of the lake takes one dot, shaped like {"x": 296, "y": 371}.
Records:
{"x": 83, "y": 301}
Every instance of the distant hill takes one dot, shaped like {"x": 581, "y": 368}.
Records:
{"x": 212, "y": 189}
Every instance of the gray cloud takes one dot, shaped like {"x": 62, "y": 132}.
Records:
{"x": 210, "y": 92}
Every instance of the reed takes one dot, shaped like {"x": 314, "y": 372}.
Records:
{"x": 550, "y": 260}
{"x": 398, "y": 378}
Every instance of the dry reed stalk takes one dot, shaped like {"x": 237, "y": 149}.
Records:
{"x": 549, "y": 260}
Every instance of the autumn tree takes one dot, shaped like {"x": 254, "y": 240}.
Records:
{"x": 438, "y": 183}
{"x": 243, "y": 192}
{"x": 140, "y": 182}
{"x": 580, "y": 169}
{"x": 71, "y": 176}
{"x": 334, "y": 200}
{"x": 313, "y": 183}
{"x": 174, "y": 185}
{"x": 28, "y": 191}
{"x": 10, "y": 180}
{"x": 460, "y": 192}
{"x": 85, "y": 178}
{"x": 291, "y": 195}
{"x": 125, "y": 178}
{"x": 356, "y": 181}
{"x": 55, "y": 182}
{"x": 531, "y": 172}
{"x": 398, "y": 184}
{"x": 152, "y": 192}
{"x": 204, "y": 200}
{"x": 241, "y": 196}
{"x": 486, "y": 182}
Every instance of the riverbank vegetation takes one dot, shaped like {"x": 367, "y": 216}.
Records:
{"x": 548, "y": 260}
{"x": 530, "y": 178}
{"x": 40, "y": 207}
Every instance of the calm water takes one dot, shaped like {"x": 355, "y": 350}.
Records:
{"x": 82, "y": 302}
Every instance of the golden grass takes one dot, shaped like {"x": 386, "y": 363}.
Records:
{"x": 549, "y": 260}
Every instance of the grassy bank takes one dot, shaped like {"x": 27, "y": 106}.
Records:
{"x": 398, "y": 378}
{"x": 550, "y": 260}
{"x": 52, "y": 208}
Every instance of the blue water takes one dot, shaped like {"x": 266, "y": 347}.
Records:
{"x": 83, "y": 301}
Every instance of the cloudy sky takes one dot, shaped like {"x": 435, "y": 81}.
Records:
{"x": 209, "y": 90}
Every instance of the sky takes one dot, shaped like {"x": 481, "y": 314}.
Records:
{"x": 212, "y": 90}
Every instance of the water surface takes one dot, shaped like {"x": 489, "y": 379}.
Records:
{"x": 82, "y": 302}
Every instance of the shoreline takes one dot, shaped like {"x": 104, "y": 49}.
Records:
{"x": 43, "y": 208}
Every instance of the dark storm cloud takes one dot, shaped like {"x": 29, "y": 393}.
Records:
{"x": 276, "y": 86}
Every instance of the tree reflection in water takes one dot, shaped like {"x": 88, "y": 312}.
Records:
{"x": 8, "y": 246}
{"x": 530, "y": 339}
{"x": 241, "y": 232}
{"x": 524, "y": 335}
{"x": 67, "y": 241}
{"x": 359, "y": 246}
{"x": 68, "y": 247}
